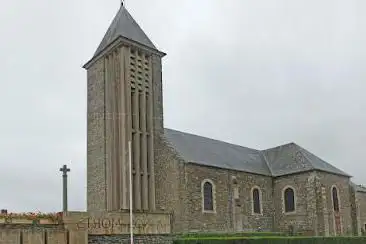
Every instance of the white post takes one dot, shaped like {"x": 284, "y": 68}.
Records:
{"x": 131, "y": 217}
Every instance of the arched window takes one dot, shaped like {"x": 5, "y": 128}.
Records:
{"x": 208, "y": 196}
{"x": 256, "y": 201}
{"x": 335, "y": 199}
{"x": 289, "y": 199}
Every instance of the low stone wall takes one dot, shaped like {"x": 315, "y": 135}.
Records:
{"x": 33, "y": 235}
{"x": 31, "y": 227}
{"x": 84, "y": 228}
{"x": 125, "y": 239}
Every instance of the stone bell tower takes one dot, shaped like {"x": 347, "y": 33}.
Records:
{"x": 124, "y": 85}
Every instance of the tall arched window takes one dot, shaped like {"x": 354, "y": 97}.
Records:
{"x": 208, "y": 196}
{"x": 289, "y": 199}
{"x": 335, "y": 199}
{"x": 256, "y": 201}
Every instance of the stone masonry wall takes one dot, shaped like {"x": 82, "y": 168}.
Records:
{"x": 355, "y": 211}
{"x": 169, "y": 180}
{"x": 196, "y": 219}
{"x": 361, "y": 200}
{"x": 343, "y": 185}
{"x": 298, "y": 219}
{"x": 250, "y": 220}
{"x": 96, "y": 185}
{"x": 228, "y": 216}
{"x": 313, "y": 195}
{"x": 319, "y": 215}
{"x": 313, "y": 201}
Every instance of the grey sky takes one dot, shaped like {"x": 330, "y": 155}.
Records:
{"x": 254, "y": 73}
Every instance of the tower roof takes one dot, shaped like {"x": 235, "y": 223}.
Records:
{"x": 124, "y": 26}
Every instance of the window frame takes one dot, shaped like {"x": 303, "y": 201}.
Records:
{"x": 338, "y": 198}
{"x": 213, "y": 189}
{"x": 260, "y": 200}
{"x": 284, "y": 200}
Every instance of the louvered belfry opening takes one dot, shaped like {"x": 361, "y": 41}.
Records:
{"x": 142, "y": 120}
{"x": 130, "y": 118}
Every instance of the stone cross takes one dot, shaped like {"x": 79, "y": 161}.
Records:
{"x": 64, "y": 171}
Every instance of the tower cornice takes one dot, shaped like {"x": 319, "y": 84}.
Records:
{"x": 120, "y": 41}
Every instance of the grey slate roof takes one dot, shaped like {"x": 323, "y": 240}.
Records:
{"x": 123, "y": 25}
{"x": 278, "y": 161}
{"x": 210, "y": 152}
{"x": 291, "y": 158}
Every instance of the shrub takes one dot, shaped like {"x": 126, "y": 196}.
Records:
{"x": 200, "y": 235}
{"x": 274, "y": 240}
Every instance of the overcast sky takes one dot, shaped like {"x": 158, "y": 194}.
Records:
{"x": 254, "y": 73}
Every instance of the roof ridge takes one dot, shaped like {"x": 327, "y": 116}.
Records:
{"x": 282, "y": 160}
{"x": 214, "y": 153}
{"x": 279, "y": 146}
{"x": 212, "y": 139}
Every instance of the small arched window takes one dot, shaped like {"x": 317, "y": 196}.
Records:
{"x": 335, "y": 199}
{"x": 208, "y": 201}
{"x": 256, "y": 201}
{"x": 289, "y": 199}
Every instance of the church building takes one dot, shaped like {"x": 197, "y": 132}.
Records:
{"x": 202, "y": 183}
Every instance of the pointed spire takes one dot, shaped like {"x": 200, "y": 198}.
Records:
{"x": 123, "y": 25}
